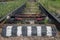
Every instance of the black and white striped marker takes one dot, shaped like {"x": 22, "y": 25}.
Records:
{"x": 29, "y": 31}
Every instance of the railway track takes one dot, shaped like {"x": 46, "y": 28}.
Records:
{"x": 30, "y": 14}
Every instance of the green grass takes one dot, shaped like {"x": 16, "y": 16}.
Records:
{"x": 55, "y": 3}
{"x": 6, "y": 7}
{"x": 51, "y": 5}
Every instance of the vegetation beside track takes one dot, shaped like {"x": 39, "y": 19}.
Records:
{"x": 51, "y": 5}
{"x": 6, "y": 7}
{"x": 5, "y": 0}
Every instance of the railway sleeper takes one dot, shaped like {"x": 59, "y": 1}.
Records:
{"x": 29, "y": 30}
{"x": 14, "y": 19}
{"x": 27, "y": 15}
{"x": 24, "y": 20}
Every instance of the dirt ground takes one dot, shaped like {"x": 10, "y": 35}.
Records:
{"x": 30, "y": 38}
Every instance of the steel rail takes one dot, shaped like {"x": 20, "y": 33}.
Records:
{"x": 54, "y": 19}
{"x": 14, "y": 11}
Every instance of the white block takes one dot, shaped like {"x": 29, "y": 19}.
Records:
{"x": 38, "y": 30}
{"x": 19, "y": 30}
{"x": 49, "y": 31}
{"x": 9, "y": 30}
{"x": 29, "y": 30}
